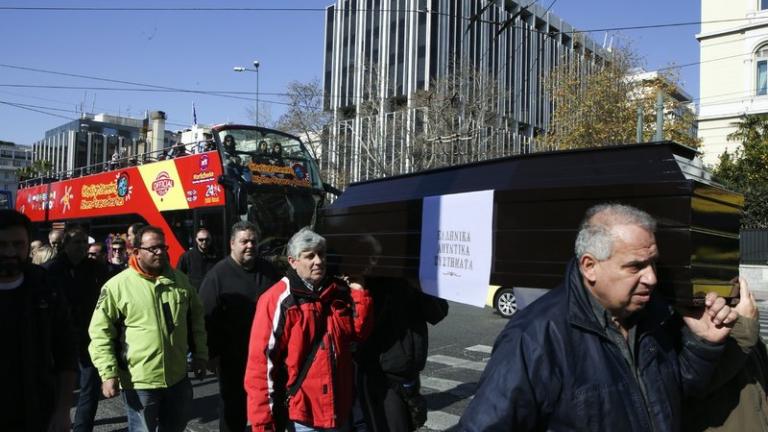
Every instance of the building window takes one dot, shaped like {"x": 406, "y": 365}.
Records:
{"x": 761, "y": 71}
{"x": 763, "y": 4}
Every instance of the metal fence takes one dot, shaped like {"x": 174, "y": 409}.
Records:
{"x": 754, "y": 246}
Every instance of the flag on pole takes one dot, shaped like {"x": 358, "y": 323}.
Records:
{"x": 194, "y": 114}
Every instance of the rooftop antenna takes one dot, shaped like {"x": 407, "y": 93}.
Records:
{"x": 82, "y": 103}
{"x": 93, "y": 105}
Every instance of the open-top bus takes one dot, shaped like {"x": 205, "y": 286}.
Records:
{"x": 242, "y": 173}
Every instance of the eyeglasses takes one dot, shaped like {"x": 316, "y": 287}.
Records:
{"x": 203, "y": 239}
{"x": 155, "y": 250}
{"x": 118, "y": 249}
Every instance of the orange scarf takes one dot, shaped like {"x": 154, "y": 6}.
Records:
{"x": 133, "y": 262}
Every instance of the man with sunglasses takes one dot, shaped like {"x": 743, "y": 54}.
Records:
{"x": 200, "y": 259}
{"x": 146, "y": 320}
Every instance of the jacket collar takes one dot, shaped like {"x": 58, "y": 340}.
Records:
{"x": 580, "y": 312}
{"x": 299, "y": 288}
{"x": 167, "y": 277}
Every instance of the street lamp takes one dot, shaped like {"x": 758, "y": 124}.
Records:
{"x": 255, "y": 69}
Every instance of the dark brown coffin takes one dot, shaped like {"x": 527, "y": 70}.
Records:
{"x": 539, "y": 201}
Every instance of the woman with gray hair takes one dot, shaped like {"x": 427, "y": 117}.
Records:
{"x": 300, "y": 370}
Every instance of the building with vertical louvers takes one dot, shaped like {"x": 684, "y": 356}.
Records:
{"x": 416, "y": 84}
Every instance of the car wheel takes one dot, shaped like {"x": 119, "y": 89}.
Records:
{"x": 506, "y": 303}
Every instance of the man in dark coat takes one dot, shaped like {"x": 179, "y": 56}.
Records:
{"x": 391, "y": 359}
{"x": 39, "y": 361}
{"x": 197, "y": 261}
{"x": 229, "y": 293}
{"x": 601, "y": 352}
{"x": 80, "y": 280}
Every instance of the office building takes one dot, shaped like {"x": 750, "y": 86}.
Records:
{"x": 383, "y": 56}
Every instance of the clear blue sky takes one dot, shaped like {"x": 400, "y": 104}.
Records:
{"x": 197, "y": 50}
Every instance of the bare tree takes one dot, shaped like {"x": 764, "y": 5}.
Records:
{"x": 457, "y": 120}
{"x": 305, "y": 116}
{"x": 454, "y": 121}
{"x": 265, "y": 115}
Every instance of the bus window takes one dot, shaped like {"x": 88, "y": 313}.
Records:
{"x": 213, "y": 220}
{"x": 181, "y": 225}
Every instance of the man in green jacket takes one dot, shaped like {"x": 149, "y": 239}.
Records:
{"x": 146, "y": 320}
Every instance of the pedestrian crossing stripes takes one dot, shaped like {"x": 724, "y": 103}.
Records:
{"x": 450, "y": 393}
{"x": 485, "y": 349}
{"x": 457, "y": 362}
{"x": 441, "y": 421}
{"x": 762, "y": 307}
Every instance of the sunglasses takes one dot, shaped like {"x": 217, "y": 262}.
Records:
{"x": 203, "y": 239}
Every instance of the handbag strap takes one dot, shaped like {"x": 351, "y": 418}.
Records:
{"x": 318, "y": 339}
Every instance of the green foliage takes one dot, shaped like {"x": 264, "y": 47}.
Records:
{"x": 746, "y": 169}
{"x": 596, "y": 102}
{"x": 38, "y": 168}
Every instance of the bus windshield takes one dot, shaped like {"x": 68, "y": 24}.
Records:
{"x": 270, "y": 157}
{"x": 279, "y": 215}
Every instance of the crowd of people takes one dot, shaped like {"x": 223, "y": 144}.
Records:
{"x": 300, "y": 349}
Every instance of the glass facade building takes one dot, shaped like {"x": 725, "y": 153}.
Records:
{"x": 91, "y": 140}
{"x": 12, "y": 158}
{"x": 379, "y": 54}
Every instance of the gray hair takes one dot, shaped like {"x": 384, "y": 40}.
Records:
{"x": 241, "y": 226}
{"x": 305, "y": 240}
{"x": 42, "y": 255}
{"x": 595, "y": 234}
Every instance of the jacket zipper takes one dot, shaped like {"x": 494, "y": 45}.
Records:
{"x": 636, "y": 378}
{"x": 332, "y": 355}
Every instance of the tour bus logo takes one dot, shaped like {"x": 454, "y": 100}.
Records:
{"x": 123, "y": 185}
{"x": 203, "y": 162}
{"x": 300, "y": 171}
{"x": 162, "y": 184}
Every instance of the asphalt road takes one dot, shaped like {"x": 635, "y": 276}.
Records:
{"x": 459, "y": 348}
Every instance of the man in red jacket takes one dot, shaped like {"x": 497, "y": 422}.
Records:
{"x": 300, "y": 353}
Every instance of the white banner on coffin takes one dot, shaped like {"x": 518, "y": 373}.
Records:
{"x": 456, "y": 246}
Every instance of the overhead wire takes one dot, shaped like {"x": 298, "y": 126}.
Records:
{"x": 267, "y": 9}
{"x": 20, "y": 106}
{"x": 233, "y": 94}
{"x": 151, "y": 90}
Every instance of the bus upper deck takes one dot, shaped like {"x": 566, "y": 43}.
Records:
{"x": 242, "y": 173}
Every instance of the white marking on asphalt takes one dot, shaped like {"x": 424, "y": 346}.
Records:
{"x": 457, "y": 362}
{"x": 485, "y": 349}
{"x": 440, "y": 421}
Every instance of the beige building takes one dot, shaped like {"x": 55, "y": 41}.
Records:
{"x": 734, "y": 69}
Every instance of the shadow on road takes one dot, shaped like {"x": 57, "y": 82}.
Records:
{"x": 437, "y": 401}
{"x": 205, "y": 408}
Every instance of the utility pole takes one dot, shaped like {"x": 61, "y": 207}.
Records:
{"x": 659, "y": 116}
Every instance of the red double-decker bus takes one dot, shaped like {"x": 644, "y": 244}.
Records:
{"x": 243, "y": 173}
